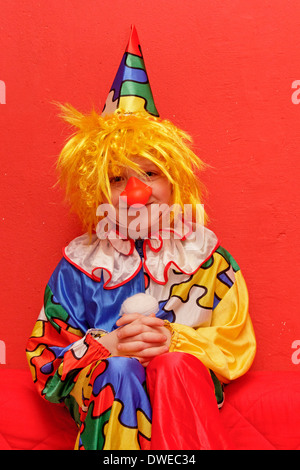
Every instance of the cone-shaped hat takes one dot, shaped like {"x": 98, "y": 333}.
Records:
{"x": 130, "y": 91}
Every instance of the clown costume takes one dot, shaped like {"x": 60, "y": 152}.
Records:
{"x": 133, "y": 381}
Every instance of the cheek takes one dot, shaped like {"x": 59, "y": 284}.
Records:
{"x": 115, "y": 193}
{"x": 163, "y": 192}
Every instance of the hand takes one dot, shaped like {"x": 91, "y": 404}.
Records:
{"x": 142, "y": 337}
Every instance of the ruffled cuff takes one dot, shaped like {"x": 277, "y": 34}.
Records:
{"x": 84, "y": 352}
{"x": 174, "y": 335}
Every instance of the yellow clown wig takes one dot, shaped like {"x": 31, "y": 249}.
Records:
{"x": 102, "y": 146}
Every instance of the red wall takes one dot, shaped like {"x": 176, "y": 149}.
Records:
{"x": 221, "y": 70}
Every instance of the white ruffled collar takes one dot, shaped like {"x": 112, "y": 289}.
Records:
{"x": 118, "y": 260}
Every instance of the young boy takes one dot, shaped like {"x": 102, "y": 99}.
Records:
{"x": 136, "y": 381}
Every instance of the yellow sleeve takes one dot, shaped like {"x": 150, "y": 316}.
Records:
{"x": 228, "y": 345}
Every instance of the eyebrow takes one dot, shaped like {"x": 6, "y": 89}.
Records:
{"x": 147, "y": 165}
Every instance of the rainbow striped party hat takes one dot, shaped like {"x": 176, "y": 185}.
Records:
{"x": 130, "y": 91}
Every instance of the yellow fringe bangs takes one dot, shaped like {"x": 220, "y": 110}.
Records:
{"x": 102, "y": 146}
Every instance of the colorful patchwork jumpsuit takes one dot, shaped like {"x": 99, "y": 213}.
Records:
{"x": 173, "y": 403}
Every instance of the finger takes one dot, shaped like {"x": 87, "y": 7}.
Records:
{"x": 135, "y": 329}
{"x": 151, "y": 352}
{"x": 144, "y": 363}
{"x": 134, "y": 346}
{"x": 146, "y": 336}
{"x": 128, "y": 318}
{"x": 141, "y": 349}
{"x": 147, "y": 320}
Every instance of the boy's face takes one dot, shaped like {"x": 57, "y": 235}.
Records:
{"x": 159, "y": 183}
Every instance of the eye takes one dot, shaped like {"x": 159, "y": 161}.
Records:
{"x": 116, "y": 179}
{"x": 152, "y": 174}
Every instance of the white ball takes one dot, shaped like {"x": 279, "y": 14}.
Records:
{"x": 140, "y": 303}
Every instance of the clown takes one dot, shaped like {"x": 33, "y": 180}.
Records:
{"x": 136, "y": 381}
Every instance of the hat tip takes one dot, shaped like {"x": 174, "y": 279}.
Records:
{"x": 131, "y": 90}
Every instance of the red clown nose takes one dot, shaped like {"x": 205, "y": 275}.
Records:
{"x": 136, "y": 192}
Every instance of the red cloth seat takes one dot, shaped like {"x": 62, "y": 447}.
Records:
{"x": 261, "y": 411}
{"x": 27, "y": 422}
